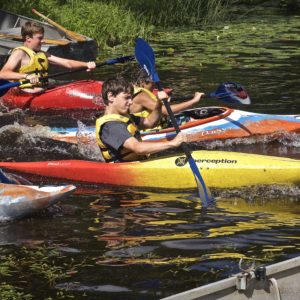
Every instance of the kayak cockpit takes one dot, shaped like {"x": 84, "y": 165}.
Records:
{"x": 194, "y": 117}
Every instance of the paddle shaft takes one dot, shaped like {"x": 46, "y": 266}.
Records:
{"x": 145, "y": 56}
{"x": 46, "y": 41}
{"x": 73, "y": 35}
{"x": 4, "y": 87}
{"x": 203, "y": 191}
{"x": 174, "y": 122}
{"x": 12, "y": 84}
{"x": 100, "y": 64}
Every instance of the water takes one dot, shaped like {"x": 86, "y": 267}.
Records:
{"x": 113, "y": 243}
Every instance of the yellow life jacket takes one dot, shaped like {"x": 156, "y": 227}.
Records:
{"x": 38, "y": 64}
{"x": 145, "y": 113}
{"x": 124, "y": 154}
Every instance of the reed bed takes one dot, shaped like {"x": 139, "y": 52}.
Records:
{"x": 114, "y": 22}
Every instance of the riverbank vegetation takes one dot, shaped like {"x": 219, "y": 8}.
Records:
{"x": 114, "y": 22}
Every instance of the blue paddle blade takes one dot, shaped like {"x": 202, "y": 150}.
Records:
{"x": 231, "y": 92}
{"x": 145, "y": 56}
{"x": 6, "y": 85}
{"x": 203, "y": 192}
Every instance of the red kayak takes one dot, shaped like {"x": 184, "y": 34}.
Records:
{"x": 78, "y": 95}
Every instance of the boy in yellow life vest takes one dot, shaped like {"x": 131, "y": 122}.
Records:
{"x": 117, "y": 130}
{"x": 144, "y": 100}
{"x": 29, "y": 62}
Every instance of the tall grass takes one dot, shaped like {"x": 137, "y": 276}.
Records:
{"x": 108, "y": 23}
{"x": 113, "y": 22}
{"x": 168, "y": 13}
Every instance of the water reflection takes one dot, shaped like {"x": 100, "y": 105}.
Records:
{"x": 174, "y": 222}
{"x": 120, "y": 232}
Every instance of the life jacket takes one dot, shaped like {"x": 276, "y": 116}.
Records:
{"x": 163, "y": 123}
{"x": 38, "y": 65}
{"x": 124, "y": 154}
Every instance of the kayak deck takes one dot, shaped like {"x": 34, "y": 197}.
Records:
{"x": 203, "y": 124}
{"x": 83, "y": 95}
{"x": 219, "y": 169}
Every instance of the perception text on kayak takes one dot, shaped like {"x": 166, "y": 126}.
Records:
{"x": 181, "y": 161}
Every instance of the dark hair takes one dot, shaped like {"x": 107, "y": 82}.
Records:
{"x": 30, "y": 28}
{"x": 140, "y": 75}
{"x": 115, "y": 86}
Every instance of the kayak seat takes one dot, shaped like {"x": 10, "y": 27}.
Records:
{"x": 195, "y": 114}
{"x": 203, "y": 113}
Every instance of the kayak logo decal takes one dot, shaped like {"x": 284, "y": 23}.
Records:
{"x": 181, "y": 161}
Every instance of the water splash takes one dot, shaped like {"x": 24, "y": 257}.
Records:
{"x": 24, "y": 143}
{"x": 87, "y": 144}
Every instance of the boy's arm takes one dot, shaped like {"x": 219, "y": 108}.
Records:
{"x": 177, "y": 108}
{"x": 69, "y": 63}
{"x": 144, "y": 148}
{"x": 153, "y": 119}
{"x": 13, "y": 63}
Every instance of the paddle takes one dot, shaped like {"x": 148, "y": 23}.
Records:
{"x": 72, "y": 35}
{"x": 6, "y": 85}
{"x": 46, "y": 41}
{"x": 145, "y": 56}
{"x": 229, "y": 92}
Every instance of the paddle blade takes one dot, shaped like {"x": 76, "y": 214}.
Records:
{"x": 145, "y": 56}
{"x": 203, "y": 192}
{"x": 6, "y": 85}
{"x": 231, "y": 92}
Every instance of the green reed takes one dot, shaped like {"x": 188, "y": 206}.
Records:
{"x": 114, "y": 22}
{"x": 169, "y": 13}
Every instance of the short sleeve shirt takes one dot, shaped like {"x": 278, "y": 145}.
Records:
{"x": 114, "y": 134}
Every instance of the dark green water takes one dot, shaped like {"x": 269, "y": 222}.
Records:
{"x": 125, "y": 244}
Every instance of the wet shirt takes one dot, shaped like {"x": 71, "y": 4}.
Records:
{"x": 115, "y": 133}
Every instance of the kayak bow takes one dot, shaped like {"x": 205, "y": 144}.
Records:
{"x": 18, "y": 201}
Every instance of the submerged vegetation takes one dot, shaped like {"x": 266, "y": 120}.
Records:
{"x": 44, "y": 264}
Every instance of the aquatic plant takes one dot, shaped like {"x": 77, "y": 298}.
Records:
{"x": 8, "y": 292}
{"x": 41, "y": 263}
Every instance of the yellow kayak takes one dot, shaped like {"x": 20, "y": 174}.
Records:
{"x": 219, "y": 169}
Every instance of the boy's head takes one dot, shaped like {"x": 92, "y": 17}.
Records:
{"x": 31, "y": 28}
{"x": 140, "y": 77}
{"x": 116, "y": 86}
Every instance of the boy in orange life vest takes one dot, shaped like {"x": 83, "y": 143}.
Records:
{"x": 144, "y": 100}
{"x": 117, "y": 131}
{"x": 29, "y": 62}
